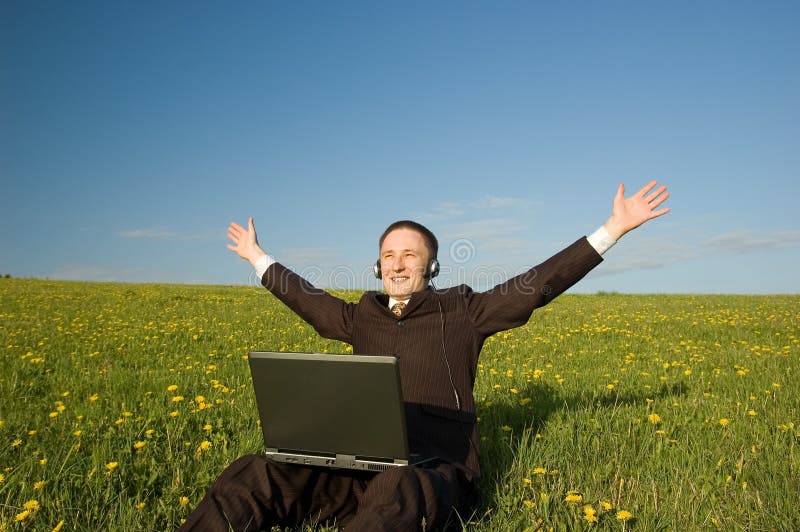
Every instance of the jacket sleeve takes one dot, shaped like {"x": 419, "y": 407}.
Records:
{"x": 511, "y": 303}
{"x": 330, "y": 316}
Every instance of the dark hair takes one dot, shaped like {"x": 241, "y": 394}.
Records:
{"x": 427, "y": 235}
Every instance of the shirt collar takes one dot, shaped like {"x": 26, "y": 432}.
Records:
{"x": 392, "y": 301}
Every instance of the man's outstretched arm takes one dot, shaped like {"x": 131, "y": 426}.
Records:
{"x": 510, "y": 304}
{"x": 329, "y": 315}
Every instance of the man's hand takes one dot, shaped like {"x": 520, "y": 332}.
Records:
{"x": 629, "y": 213}
{"x": 245, "y": 241}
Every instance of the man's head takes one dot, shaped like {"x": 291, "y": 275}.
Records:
{"x": 406, "y": 252}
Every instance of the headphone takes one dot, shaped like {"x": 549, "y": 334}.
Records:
{"x": 430, "y": 272}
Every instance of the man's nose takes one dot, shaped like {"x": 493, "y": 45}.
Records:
{"x": 398, "y": 264}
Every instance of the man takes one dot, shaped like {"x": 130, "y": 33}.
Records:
{"x": 437, "y": 336}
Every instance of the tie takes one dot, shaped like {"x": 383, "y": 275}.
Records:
{"x": 397, "y": 308}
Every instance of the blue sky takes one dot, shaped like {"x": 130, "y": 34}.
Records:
{"x": 131, "y": 134}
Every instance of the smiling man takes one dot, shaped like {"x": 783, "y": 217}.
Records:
{"x": 407, "y": 253}
{"x": 437, "y": 336}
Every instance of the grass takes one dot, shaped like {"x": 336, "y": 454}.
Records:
{"x": 120, "y": 404}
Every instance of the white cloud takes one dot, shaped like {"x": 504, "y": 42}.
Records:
{"x": 451, "y": 210}
{"x": 649, "y": 253}
{"x": 106, "y": 274}
{"x": 483, "y": 229}
{"x": 746, "y": 240}
{"x": 314, "y": 256}
{"x": 444, "y": 211}
{"x": 495, "y": 202}
{"x": 160, "y": 233}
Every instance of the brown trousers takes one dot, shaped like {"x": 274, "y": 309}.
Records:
{"x": 255, "y": 493}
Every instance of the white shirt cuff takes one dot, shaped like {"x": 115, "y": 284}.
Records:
{"x": 262, "y": 264}
{"x": 601, "y": 240}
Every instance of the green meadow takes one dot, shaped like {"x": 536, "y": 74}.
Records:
{"x": 121, "y": 403}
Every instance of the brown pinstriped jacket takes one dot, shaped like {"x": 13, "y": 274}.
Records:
{"x": 457, "y": 317}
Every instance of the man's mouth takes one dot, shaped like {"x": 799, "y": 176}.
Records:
{"x": 399, "y": 279}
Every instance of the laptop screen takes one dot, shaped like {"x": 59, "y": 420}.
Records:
{"x": 330, "y": 404}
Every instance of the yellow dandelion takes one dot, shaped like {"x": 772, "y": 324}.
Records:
{"x": 573, "y": 496}
{"x": 528, "y": 504}
{"x": 40, "y": 484}
{"x": 2, "y": 478}
{"x": 654, "y": 419}
{"x": 183, "y": 501}
{"x": 177, "y": 399}
{"x": 94, "y": 397}
{"x": 174, "y": 413}
{"x": 16, "y": 443}
{"x": 724, "y": 421}
{"x": 624, "y": 515}
{"x": 31, "y": 505}
{"x": 540, "y": 471}
{"x": 77, "y": 433}
{"x": 149, "y": 432}
{"x": 526, "y": 481}
{"x": 172, "y": 387}
{"x": 605, "y": 505}
{"x": 140, "y": 505}
{"x": 207, "y": 427}
{"x": 199, "y": 399}
{"x": 43, "y": 462}
{"x": 752, "y": 413}
{"x": 111, "y": 466}
{"x": 204, "y": 445}
{"x": 59, "y": 526}
{"x": 23, "y": 515}
{"x": 139, "y": 444}
{"x": 590, "y": 514}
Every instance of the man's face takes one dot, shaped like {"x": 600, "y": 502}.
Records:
{"x": 404, "y": 260}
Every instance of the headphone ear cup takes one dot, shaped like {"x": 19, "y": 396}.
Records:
{"x": 433, "y": 269}
{"x": 376, "y": 269}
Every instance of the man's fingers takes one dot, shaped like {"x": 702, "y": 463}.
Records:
{"x": 655, "y": 193}
{"x": 645, "y": 189}
{"x": 659, "y": 213}
{"x": 658, "y": 200}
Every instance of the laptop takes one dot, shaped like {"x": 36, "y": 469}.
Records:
{"x": 339, "y": 411}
